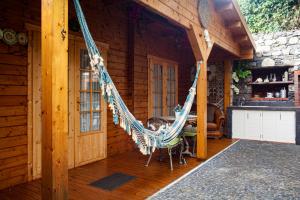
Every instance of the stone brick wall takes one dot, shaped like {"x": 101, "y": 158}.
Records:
{"x": 280, "y": 48}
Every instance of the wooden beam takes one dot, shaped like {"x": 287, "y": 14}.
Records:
{"x": 227, "y": 84}
{"x": 235, "y": 26}
{"x": 247, "y": 53}
{"x": 197, "y": 42}
{"x": 54, "y": 99}
{"x": 202, "y": 112}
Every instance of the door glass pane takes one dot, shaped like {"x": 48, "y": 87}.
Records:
{"x": 157, "y": 83}
{"x": 171, "y": 89}
{"x": 96, "y": 101}
{"x": 84, "y": 101}
{"x": 96, "y": 121}
{"x": 85, "y": 122}
{"x": 84, "y": 80}
{"x": 90, "y": 97}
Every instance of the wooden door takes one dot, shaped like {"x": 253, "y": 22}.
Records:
{"x": 162, "y": 87}
{"x": 90, "y": 113}
{"x": 35, "y": 110}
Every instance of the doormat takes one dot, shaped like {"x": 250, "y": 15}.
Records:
{"x": 246, "y": 170}
{"x": 113, "y": 181}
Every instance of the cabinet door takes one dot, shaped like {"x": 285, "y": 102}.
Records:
{"x": 269, "y": 125}
{"x": 238, "y": 125}
{"x": 253, "y": 126}
{"x": 286, "y": 127}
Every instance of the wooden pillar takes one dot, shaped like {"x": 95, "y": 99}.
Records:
{"x": 54, "y": 99}
{"x": 227, "y": 83}
{"x": 202, "y": 112}
{"x": 201, "y": 53}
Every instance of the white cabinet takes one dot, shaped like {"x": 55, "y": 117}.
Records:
{"x": 286, "y": 127}
{"x": 253, "y": 125}
{"x": 238, "y": 124}
{"x": 276, "y": 126}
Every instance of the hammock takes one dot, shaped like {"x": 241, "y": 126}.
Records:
{"x": 147, "y": 140}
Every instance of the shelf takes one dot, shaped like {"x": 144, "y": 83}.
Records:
{"x": 269, "y": 99}
{"x": 273, "y": 83}
{"x": 271, "y": 67}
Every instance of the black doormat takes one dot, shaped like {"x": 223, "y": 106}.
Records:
{"x": 113, "y": 181}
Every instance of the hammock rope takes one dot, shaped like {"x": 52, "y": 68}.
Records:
{"x": 147, "y": 140}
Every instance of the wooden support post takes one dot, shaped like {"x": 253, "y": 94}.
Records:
{"x": 202, "y": 112}
{"x": 54, "y": 99}
{"x": 201, "y": 53}
{"x": 227, "y": 83}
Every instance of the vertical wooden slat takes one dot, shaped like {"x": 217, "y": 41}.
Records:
{"x": 227, "y": 83}
{"x": 54, "y": 99}
{"x": 202, "y": 112}
{"x": 29, "y": 109}
{"x": 164, "y": 88}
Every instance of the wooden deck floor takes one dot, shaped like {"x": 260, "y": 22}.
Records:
{"x": 149, "y": 179}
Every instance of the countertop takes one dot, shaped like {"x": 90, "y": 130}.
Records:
{"x": 270, "y": 108}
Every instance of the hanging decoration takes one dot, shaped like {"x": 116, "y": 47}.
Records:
{"x": 22, "y": 38}
{"x": 204, "y": 18}
{"x": 1, "y": 34}
{"x": 10, "y": 37}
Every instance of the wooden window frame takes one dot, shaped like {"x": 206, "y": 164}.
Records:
{"x": 165, "y": 63}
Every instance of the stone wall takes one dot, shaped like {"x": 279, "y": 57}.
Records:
{"x": 280, "y": 48}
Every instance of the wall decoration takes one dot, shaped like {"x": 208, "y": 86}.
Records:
{"x": 22, "y": 38}
{"x": 9, "y": 37}
{"x": 1, "y": 34}
{"x": 203, "y": 12}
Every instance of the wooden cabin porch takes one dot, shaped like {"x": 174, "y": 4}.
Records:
{"x": 148, "y": 179}
{"x": 46, "y": 88}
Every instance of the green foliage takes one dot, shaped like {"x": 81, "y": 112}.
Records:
{"x": 271, "y": 15}
{"x": 239, "y": 73}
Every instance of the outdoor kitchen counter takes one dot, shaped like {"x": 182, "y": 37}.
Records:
{"x": 282, "y": 109}
{"x": 266, "y": 108}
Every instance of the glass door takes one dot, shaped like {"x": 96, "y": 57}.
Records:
{"x": 90, "y": 142}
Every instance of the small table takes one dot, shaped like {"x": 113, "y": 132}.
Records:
{"x": 190, "y": 119}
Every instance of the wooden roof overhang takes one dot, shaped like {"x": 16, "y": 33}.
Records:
{"x": 227, "y": 27}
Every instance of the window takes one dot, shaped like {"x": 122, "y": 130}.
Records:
{"x": 90, "y": 96}
{"x": 162, "y": 87}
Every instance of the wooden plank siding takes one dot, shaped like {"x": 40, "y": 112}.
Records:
{"x": 13, "y": 103}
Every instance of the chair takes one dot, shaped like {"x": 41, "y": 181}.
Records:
{"x": 215, "y": 121}
{"x": 154, "y": 124}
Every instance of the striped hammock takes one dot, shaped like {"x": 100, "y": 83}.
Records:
{"x": 147, "y": 140}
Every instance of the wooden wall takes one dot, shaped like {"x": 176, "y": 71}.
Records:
{"x": 13, "y": 100}
{"x": 108, "y": 22}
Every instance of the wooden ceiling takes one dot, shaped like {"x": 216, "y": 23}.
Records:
{"x": 235, "y": 21}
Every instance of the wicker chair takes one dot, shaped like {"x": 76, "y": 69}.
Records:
{"x": 154, "y": 124}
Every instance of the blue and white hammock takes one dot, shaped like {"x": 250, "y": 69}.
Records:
{"x": 147, "y": 140}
